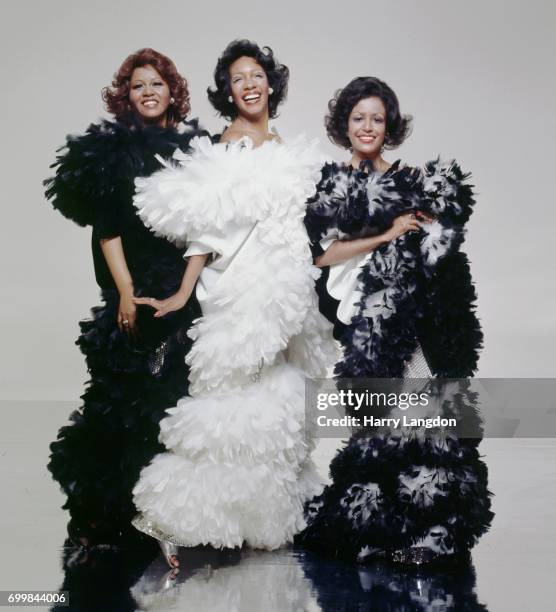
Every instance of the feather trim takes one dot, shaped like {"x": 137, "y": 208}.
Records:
{"x": 239, "y": 469}
{"x": 217, "y": 184}
{"x": 396, "y": 279}
{"x": 91, "y": 167}
{"x": 270, "y": 297}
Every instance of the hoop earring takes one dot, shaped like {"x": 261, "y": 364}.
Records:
{"x": 172, "y": 100}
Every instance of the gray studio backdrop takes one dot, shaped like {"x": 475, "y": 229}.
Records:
{"x": 478, "y": 76}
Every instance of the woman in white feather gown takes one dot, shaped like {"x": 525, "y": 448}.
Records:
{"x": 237, "y": 467}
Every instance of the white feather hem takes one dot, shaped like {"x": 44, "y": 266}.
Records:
{"x": 239, "y": 470}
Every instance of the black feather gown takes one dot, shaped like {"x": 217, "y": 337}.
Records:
{"x": 97, "y": 458}
{"x": 409, "y": 495}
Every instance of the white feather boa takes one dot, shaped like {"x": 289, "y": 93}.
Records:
{"x": 217, "y": 184}
{"x": 269, "y": 301}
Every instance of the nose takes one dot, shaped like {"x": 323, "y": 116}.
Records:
{"x": 367, "y": 125}
{"x": 147, "y": 91}
{"x": 249, "y": 84}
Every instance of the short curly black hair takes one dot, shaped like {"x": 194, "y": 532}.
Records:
{"x": 276, "y": 73}
{"x": 398, "y": 126}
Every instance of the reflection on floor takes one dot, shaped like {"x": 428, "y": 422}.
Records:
{"x": 514, "y": 561}
{"x": 250, "y": 581}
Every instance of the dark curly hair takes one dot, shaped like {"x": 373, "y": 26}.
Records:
{"x": 398, "y": 126}
{"x": 116, "y": 97}
{"x": 276, "y": 73}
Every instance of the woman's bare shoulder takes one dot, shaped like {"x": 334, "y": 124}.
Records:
{"x": 232, "y": 135}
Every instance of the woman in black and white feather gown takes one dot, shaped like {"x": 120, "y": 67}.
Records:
{"x": 400, "y": 294}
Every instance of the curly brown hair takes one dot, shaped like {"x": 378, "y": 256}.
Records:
{"x": 116, "y": 97}
{"x": 398, "y": 126}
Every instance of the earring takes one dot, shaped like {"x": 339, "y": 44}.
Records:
{"x": 230, "y": 99}
{"x": 172, "y": 100}
{"x": 270, "y": 91}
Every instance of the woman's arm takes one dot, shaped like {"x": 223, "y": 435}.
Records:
{"x": 114, "y": 254}
{"x": 194, "y": 267}
{"x": 342, "y": 250}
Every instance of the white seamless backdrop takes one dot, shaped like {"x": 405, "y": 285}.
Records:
{"x": 477, "y": 76}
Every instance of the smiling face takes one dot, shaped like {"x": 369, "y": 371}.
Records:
{"x": 249, "y": 88}
{"x": 149, "y": 95}
{"x": 367, "y": 127}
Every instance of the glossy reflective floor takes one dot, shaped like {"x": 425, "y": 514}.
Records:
{"x": 513, "y": 566}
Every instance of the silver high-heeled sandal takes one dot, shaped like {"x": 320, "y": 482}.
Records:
{"x": 169, "y": 550}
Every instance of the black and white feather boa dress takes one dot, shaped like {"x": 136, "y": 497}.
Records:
{"x": 399, "y": 493}
{"x": 97, "y": 458}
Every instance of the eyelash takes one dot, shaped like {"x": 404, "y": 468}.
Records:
{"x": 377, "y": 119}
{"x": 156, "y": 84}
{"x": 238, "y": 79}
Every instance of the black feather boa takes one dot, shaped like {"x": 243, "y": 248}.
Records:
{"x": 90, "y": 167}
{"x": 390, "y": 489}
{"x": 97, "y": 458}
{"x": 428, "y": 294}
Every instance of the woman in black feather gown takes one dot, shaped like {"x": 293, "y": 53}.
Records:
{"x": 135, "y": 361}
{"x": 400, "y": 294}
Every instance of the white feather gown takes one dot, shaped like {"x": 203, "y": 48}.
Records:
{"x": 237, "y": 466}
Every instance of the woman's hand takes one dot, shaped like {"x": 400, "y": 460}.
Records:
{"x": 402, "y": 224}
{"x": 163, "y": 307}
{"x": 113, "y": 252}
{"x": 179, "y": 299}
{"x": 127, "y": 314}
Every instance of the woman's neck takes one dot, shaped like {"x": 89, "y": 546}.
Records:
{"x": 256, "y": 129}
{"x": 379, "y": 163}
{"x": 160, "y": 123}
